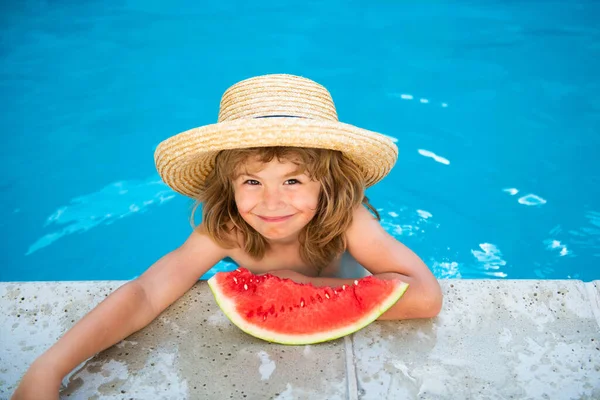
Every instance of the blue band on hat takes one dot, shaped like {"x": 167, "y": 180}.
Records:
{"x": 280, "y": 116}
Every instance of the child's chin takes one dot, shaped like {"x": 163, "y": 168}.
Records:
{"x": 279, "y": 236}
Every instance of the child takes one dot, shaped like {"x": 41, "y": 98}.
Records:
{"x": 282, "y": 186}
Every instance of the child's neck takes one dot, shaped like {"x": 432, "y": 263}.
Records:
{"x": 283, "y": 244}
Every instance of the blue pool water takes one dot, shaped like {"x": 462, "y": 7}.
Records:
{"x": 495, "y": 107}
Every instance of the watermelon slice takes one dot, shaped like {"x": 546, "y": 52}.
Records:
{"x": 283, "y": 311}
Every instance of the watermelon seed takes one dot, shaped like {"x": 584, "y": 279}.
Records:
{"x": 301, "y": 302}
{"x": 245, "y": 287}
{"x": 264, "y": 317}
{"x": 235, "y": 279}
{"x": 326, "y": 294}
{"x": 343, "y": 287}
{"x": 356, "y": 282}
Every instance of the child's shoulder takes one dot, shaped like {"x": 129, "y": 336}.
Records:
{"x": 364, "y": 225}
{"x": 362, "y": 217}
{"x": 200, "y": 235}
{"x": 201, "y": 238}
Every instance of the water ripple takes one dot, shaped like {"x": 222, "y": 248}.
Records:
{"x": 491, "y": 258}
{"x": 111, "y": 203}
{"x": 427, "y": 153}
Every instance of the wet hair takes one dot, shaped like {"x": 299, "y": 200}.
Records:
{"x": 323, "y": 238}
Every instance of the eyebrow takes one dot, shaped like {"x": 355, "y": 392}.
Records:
{"x": 293, "y": 173}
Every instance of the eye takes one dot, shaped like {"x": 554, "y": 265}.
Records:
{"x": 252, "y": 182}
{"x": 292, "y": 182}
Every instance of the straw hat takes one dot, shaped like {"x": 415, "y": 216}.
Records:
{"x": 271, "y": 110}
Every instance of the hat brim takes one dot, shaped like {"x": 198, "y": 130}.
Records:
{"x": 184, "y": 161}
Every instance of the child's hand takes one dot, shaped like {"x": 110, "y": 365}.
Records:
{"x": 39, "y": 383}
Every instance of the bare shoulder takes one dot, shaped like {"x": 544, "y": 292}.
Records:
{"x": 366, "y": 235}
{"x": 364, "y": 224}
{"x": 198, "y": 253}
{"x": 378, "y": 251}
{"x": 200, "y": 241}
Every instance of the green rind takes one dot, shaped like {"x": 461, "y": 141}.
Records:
{"x": 228, "y": 309}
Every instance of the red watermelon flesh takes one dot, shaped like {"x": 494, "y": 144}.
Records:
{"x": 283, "y": 311}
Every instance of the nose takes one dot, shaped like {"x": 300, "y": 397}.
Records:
{"x": 272, "y": 199}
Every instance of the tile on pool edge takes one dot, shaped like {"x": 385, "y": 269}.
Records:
{"x": 493, "y": 339}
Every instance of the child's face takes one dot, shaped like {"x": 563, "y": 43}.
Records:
{"x": 275, "y": 199}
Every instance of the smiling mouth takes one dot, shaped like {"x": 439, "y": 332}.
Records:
{"x": 275, "y": 219}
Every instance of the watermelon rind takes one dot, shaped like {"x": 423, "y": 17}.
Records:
{"x": 228, "y": 308}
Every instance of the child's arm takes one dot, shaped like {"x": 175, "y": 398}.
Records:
{"x": 127, "y": 310}
{"x": 386, "y": 258}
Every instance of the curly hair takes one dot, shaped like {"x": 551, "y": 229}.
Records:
{"x": 323, "y": 238}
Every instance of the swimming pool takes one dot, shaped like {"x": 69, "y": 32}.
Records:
{"x": 495, "y": 107}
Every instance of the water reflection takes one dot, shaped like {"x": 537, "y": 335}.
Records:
{"x": 111, "y": 203}
{"x": 404, "y": 223}
{"x": 414, "y": 223}
{"x": 528, "y": 200}
{"x": 553, "y": 244}
{"x": 491, "y": 259}
{"x": 407, "y": 223}
{"x": 427, "y": 153}
{"x": 444, "y": 270}
{"x": 564, "y": 243}
{"x": 424, "y": 214}
{"x": 408, "y": 96}
{"x": 532, "y": 200}
{"x": 588, "y": 237}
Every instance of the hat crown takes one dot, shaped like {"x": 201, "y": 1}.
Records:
{"x": 278, "y": 95}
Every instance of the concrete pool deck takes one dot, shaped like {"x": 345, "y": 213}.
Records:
{"x": 494, "y": 339}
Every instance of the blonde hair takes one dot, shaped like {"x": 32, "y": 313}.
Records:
{"x": 323, "y": 238}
